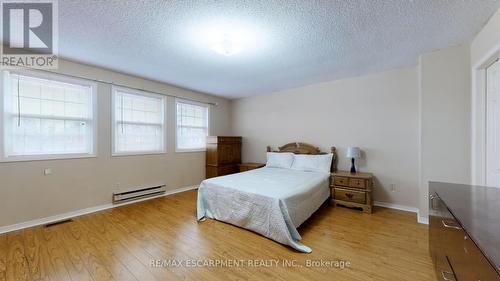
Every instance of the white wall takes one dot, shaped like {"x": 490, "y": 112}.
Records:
{"x": 26, "y": 194}
{"x": 445, "y": 119}
{"x": 487, "y": 41}
{"x": 377, "y": 112}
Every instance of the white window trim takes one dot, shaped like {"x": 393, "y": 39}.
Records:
{"x": 183, "y": 150}
{"x": 478, "y": 116}
{"x": 113, "y": 122}
{"x": 59, "y": 78}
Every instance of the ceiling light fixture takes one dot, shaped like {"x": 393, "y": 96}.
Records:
{"x": 227, "y": 46}
{"x": 226, "y": 38}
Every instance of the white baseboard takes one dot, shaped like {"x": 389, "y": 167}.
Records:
{"x": 72, "y": 214}
{"x": 395, "y": 206}
{"x": 420, "y": 219}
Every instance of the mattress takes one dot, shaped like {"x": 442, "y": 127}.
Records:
{"x": 270, "y": 201}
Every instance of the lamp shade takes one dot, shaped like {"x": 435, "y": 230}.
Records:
{"x": 353, "y": 152}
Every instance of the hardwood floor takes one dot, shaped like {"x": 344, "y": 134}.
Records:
{"x": 122, "y": 243}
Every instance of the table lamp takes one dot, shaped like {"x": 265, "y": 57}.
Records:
{"x": 353, "y": 153}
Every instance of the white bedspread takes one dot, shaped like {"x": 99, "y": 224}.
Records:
{"x": 270, "y": 201}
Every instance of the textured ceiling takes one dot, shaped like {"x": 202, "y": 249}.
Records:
{"x": 290, "y": 43}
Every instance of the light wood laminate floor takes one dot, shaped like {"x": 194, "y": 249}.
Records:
{"x": 122, "y": 243}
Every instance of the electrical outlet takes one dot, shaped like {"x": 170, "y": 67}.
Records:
{"x": 393, "y": 187}
{"x": 47, "y": 172}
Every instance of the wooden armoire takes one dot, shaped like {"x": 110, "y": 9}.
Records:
{"x": 223, "y": 155}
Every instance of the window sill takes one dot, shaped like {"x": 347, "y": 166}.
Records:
{"x": 122, "y": 154}
{"x": 46, "y": 157}
{"x": 178, "y": 150}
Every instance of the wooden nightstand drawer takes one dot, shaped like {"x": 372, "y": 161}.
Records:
{"x": 357, "y": 183}
{"x": 352, "y": 190}
{"x": 250, "y": 166}
{"x": 341, "y": 181}
{"x": 350, "y": 195}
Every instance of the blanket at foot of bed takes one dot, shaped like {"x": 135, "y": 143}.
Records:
{"x": 264, "y": 215}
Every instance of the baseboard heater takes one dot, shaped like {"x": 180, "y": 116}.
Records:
{"x": 138, "y": 194}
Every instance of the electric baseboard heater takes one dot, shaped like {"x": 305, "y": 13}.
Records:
{"x": 138, "y": 194}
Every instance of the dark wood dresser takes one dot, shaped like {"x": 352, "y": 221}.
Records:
{"x": 464, "y": 231}
{"x": 223, "y": 155}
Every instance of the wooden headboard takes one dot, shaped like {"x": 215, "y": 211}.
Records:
{"x": 304, "y": 148}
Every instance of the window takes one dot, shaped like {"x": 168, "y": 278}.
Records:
{"x": 138, "y": 122}
{"x": 47, "y": 117}
{"x": 192, "y": 125}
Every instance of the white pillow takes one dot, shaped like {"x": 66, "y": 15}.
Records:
{"x": 279, "y": 160}
{"x": 313, "y": 163}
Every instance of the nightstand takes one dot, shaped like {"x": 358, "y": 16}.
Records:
{"x": 352, "y": 190}
{"x": 250, "y": 166}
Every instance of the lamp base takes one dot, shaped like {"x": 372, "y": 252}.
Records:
{"x": 353, "y": 167}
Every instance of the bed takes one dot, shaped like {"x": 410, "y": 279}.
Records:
{"x": 270, "y": 201}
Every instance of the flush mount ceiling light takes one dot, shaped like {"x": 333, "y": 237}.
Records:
{"x": 227, "y": 46}
{"x": 227, "y": 38}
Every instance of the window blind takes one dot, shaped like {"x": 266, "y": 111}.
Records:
{"x": 47, "y": 117}
{"x": 138, "y": 122}
{"x": 192, "y": 125}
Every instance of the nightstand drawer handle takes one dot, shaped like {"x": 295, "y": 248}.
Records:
{"x": 448, "y": 276}
{"x": 349, "y": 195}
{"x": 449, "y": 225}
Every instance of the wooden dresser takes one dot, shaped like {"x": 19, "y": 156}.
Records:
{"x": 352, "y": 190}
{"x": 464, "y": 231}
{"x": 223, "y": 155}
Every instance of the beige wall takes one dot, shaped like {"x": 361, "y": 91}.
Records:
{"x": 453, "y": 111}
{"x": 445, "y": 119}
{"x": 377, "y": 112}
{"x": 413, "y": 124}
{"x": 26, "y": 194}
